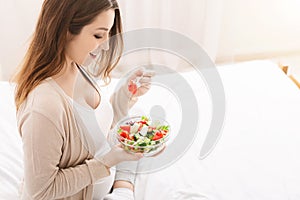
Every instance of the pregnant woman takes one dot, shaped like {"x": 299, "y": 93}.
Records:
{"x": 63, "y": 117}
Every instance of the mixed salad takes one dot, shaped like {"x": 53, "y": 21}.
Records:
{"x": 142, "y": 134}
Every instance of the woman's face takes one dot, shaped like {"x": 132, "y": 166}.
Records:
{"x": 85, "y": 46}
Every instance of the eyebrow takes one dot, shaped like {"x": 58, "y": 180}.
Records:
{"x": 102, "y": 28}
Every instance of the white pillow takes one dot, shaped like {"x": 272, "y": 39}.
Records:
{"x": 11, "y": 154}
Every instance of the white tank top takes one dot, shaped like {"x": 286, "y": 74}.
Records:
{"x": 98, "y": 123}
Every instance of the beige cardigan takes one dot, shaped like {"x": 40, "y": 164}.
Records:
{"x": 57, "y": 165}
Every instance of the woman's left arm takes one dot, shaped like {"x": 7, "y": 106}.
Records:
{"x": 122, "y": 101}
{"x": 127, "y": 95}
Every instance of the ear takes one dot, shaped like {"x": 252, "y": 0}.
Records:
{"x": 69, "y": 36}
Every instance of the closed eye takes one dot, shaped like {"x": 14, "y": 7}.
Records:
{"x": 97, "y": 36}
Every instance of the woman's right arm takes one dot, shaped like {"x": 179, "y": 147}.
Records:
{"x": 43, "y": 144}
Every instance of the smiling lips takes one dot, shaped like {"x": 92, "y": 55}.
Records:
{"x": 94, "y": 56}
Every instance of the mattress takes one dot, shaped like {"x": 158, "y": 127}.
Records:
{"x": 256, "y": 156}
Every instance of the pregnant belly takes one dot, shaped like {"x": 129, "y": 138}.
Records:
{"x": 103, "y": 186}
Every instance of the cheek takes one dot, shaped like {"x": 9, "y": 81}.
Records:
{"x": 89, "y": 45}
{"x": 79, "y": 48}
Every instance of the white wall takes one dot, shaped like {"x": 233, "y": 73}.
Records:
{"x": 199, "y": 20}
{"x": 249, "y": 29}
{"x": 258, "y": 28}
{"x": 17, "y": 22}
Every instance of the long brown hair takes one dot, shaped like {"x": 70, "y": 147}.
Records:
{"x": 45, "y": 56}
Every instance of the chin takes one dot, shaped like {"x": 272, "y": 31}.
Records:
{"x": 87, "y": 62}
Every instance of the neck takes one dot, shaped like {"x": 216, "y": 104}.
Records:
{"x": 67, "y": 78}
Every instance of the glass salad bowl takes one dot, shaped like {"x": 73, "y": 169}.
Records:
{"x": 142, "y": 134}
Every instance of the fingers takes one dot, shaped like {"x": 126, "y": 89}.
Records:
{"x": 137, "y": 73}
{"x": 138, "y": 156}
{"x": 127, "y": 155}
{"x": 141, "y": 72}
{"x": 145, "y": 79}
{"x": 145, "y": 87}
{"x": 148, "y": 74}
{"x": 132, "y": 156}
{"x": 145, "y": 83}
{"x": 140, "y": 82}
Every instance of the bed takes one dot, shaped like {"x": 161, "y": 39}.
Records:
{"x": 256, "y": 157}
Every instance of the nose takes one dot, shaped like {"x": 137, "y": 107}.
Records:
{"x": 105, "y": 45}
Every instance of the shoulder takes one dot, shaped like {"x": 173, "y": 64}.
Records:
{"x": 46, "y": 100}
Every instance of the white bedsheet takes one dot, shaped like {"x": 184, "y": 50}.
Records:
{"x": 11, "y": 165}
{"x": 257, "y": 156}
